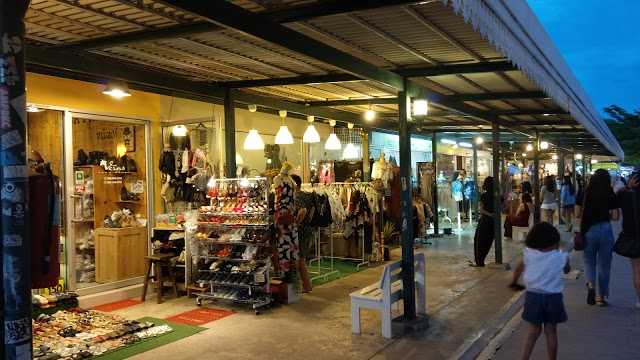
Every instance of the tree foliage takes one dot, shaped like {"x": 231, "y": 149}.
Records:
{"x": 626, "y": 128}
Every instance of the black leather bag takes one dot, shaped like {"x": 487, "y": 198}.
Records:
{"x": 628, "y": 245}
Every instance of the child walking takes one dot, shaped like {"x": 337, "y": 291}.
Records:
{"x": 542, "y": 265}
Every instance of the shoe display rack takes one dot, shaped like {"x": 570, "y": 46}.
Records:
{"x": 231, "y": 245}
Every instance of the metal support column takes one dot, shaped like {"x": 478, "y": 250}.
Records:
{"x": 536, "y": 179}
{"x": 15, "y": 287}
{"x": 229, "y": 133}
{"x": 408, "y": 274}
{"x": 475, "y": 181}
{"x": 366, "y": 165}
{"x": 434, "y": 160}
{"x": 560, "y": 180}
{"x": 497, "y": 203}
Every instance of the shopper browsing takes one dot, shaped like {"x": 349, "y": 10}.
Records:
{"x": 542, "y": 265}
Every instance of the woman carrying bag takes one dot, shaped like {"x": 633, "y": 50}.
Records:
{"x": 628, "y": 244}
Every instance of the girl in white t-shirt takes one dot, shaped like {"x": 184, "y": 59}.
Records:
{"x": 542, "y": 266}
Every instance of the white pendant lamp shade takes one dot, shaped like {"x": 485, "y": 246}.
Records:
{"x": 350, "y": 152}
{"x": 333, "y": 143}
{"x": 311, "y": 135}
{"x": 179, "y": 130}
{"x": 253, "y": 141}
{"x": 284, "y": 137}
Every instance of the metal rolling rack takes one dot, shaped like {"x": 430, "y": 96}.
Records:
{"x": 235, "y": 229}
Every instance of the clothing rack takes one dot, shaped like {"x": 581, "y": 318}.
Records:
{"x": 361, "y": 261}
{"x": 322, "y": 272}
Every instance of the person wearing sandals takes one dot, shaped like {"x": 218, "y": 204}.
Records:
{"x": 567, "y": 201}
{"x": 598, "y": 207}
{"x": 542, "y": 266}
{"x": 628, "y": 200}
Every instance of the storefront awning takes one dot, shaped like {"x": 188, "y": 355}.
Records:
{"x": 332, "y": 59}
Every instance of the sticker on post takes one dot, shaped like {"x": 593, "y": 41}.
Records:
{"x": 16, "y": 331}
{"x": 12, "y": 240}
{"x": 11, "y": 139}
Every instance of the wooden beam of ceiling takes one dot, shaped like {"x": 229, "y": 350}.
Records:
{"x": 517, "y": 112}
{"x": 414, "y": 72}
{"x": 255, "y": 25}
{"x": 286, "y": 15}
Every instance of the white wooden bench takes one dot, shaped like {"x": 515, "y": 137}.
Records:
{"x": 381, "y": 295}
{"x": 519, "y": 233}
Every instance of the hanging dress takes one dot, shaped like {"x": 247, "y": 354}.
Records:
{"x": 285, "y": 222}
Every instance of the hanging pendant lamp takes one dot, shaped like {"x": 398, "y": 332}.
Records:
{"x": 350, "y": 151}
{"x": 311, "y": 135}
{"x": 332, "y": 143}
{"x": 284, "y": 137}
{"x": 253, "y": 141}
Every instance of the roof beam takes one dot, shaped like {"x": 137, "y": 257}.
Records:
{"x": 518, "y": 112}
{"x": 229, "y": 15}
{"x": 332, "y": 78}
{"x": 499, "y": 96}
{"x": 92, "y": 69}
{"x": 349, "y": 102}
{"x": 287, "y": 15}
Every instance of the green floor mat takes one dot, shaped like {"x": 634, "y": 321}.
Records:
{"x": 180, "y": 331}
{"x": 344, "y": 268}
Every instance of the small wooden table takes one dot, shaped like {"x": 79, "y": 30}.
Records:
{"x": 159, "y": 262}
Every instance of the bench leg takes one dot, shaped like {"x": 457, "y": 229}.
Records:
{"x": 386, "y": 323}
{"x": 355, "y": 318}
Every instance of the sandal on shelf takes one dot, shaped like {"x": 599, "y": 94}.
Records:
{"x": 591, "y": 295}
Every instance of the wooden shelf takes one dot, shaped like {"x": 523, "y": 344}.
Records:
{"x": 128, "y": 202}
{"x": 82, "y": 220}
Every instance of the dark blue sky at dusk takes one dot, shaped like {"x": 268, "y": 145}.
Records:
{"x": 600, "y": 40}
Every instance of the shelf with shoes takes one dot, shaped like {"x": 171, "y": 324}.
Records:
{"x": 231, "y": 243}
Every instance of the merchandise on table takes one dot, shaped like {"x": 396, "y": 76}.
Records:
{"x": 81, "y": 334}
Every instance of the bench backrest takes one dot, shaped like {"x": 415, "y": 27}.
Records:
{"x": 393, "y": 272}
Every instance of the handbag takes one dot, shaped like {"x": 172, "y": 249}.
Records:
{"x": 627, "y": 245}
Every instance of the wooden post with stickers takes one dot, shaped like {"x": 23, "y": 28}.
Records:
{"x": 15, "y": 304}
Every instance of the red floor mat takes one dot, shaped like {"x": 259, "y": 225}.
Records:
{"x": 199, "y": 316}
{"x": 117, "y": 305}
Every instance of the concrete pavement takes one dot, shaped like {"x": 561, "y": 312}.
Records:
{"x": 592, "y": 332}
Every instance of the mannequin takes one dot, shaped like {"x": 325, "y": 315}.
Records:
{"x": 381, "y": 170}
{"x": 287, "y": 230}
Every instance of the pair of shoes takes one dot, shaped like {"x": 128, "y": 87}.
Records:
{"x": 591, "y": 295}
{"x": 600, "y": 301}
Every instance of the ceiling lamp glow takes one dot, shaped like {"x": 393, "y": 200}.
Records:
{"x": 283, "y": 137}
{"x": 33, "y": 109}
{"x": 420, "y": 107}
{"x": 524, "y": 155}
{"x": 578, "y": 156}
{"x": 529, "y": 147}
{"x": 179, "y": 131}
{"x": 350, "y": 152}
{"x": 554, "y": 157}
{"x": 370, "y": 115}
{"x": 479, "y": 140}
{"x": 544, "y": 145}
{"x": 117, "y": 90}
{"x": 332, "y": 143}
{"x": 594, "y": 161}
{"x": 253, "y": 141}
{"x": 253, "y": 108}
{"x": 311, "y": 135}
{"x": 448, "y": 141}
{"x": 465, "y": 145}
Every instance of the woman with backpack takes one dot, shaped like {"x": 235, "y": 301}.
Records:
{"x": 629, "y": 200}
{"x": 599, "y": 206}
{"x": 567, "y": 201}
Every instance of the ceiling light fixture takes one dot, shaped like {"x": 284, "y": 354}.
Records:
{"x": 578, "y": 156}
{"x": 33, "y": 109}
{"x": 350, "y": 151}
{"x": 117, "y": 90}
{"x": 544, "y": 145}
{"x": 179, "y": 131}
{"x": 253, "y": 141}
{"x": 554, "y": 157}
{"x": 420, "y": 107}
{"x": 311, "y": 135}
{"x": 332, "y": 143}
{"x": 253, "y": 108}
{"x": 370, "y": 114}
{"x": 283, "y": 137}
{"x": 479, "y": 140}
{"x": 529, "y": 147}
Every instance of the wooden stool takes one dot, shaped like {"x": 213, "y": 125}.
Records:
{"x": 195, "y": 289}
{"x": 159, "y": 262}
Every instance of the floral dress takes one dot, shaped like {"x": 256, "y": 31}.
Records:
{"x": 285, "y": 221}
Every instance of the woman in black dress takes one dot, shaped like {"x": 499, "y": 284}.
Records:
{"x": 485, "y": 231}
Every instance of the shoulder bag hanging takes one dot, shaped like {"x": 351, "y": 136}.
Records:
{"x": 628, "y": 245}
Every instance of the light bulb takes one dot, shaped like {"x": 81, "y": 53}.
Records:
{"x": 179, "y": 131}
{"x": 529, "y": 147}
{"x": 333, "y": 143}
{"x": 524, "y": 154}
{"x": 253, "y": 141}
{"x": 544, "y": 145}
{"x": 369, "y": 115}
{"x": 253, "y": 108}
{"x": 284, "y": 137}
{"x": 554, "y": 157}
{"x": 116, "y": 90}
{"x": 578, "y": 156}
{"x": 479, "y": 140}
{"x": 420, "y": 107}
